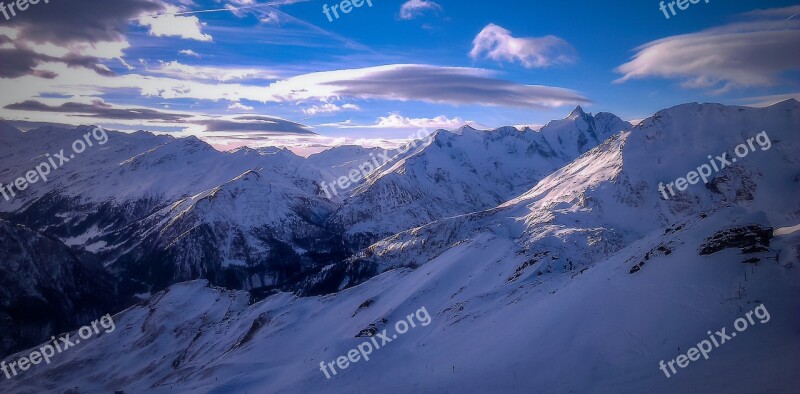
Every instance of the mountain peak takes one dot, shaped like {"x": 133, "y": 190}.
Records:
{"x": 577, "y": 112}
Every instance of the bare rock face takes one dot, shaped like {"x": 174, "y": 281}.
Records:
{"x": 750, "y": 239}
{"x": 45, "y": 288}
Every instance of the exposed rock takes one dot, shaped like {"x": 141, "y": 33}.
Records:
{"x": 45, "y": 288}
{"x": 749, "y": 238}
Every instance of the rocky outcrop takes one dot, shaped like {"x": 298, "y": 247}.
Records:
{"x": 750, "y": 239}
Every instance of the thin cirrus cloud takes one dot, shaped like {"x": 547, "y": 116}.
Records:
{"x": 496, "y": 43}
{"x": 177, "y": 69}
{"x": 766, "y": 101}
{"x": 414, "y": 8}
{"x": 775, "y": 12}
{"x": 755, "y": 52}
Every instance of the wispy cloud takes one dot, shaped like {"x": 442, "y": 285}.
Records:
{"x": 766, "y": 101}
{"x": 209, "y": 73}
{"x": 415, "y": 8}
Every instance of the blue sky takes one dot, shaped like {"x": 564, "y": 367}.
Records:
{"x": 259, "y": 70}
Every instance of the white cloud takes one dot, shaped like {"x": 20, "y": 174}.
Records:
{"x": 239, "y": 106}
{"x": 171, "y": 25}
{"x": 753, "y": 53}
{"x": 189, "y": 52}
{"x": 414, "y": 8}
{"x": 10, "y": 32}
{"x": 497, "y": 43}
{"x": 330, "y": 108}
{"x": 396, "y": 121}
{"x": 101, "y": 49}
{"x": 401, "y": 122}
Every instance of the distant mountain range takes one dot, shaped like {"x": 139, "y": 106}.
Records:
{"x": 540, "y": 254}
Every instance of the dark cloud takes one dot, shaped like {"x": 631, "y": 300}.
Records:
{"x": 452, "y": 85}
{"x": 256, "y": 124}
{"x": 100, "y": 110}
{"x": 85, "y": 21}
{"x": 20, "y": 61}
{"x": 62, "y": 23}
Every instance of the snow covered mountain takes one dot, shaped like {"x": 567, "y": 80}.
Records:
{"x": 257, "y": 230}
{"x": 609, "y": 196}
{"x": 467, "y": 171}
{"x": 588, "y": 273}
{"x": 158, "y": 210}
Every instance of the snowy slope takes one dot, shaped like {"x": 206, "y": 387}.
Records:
{"x": 604, "y": 328}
